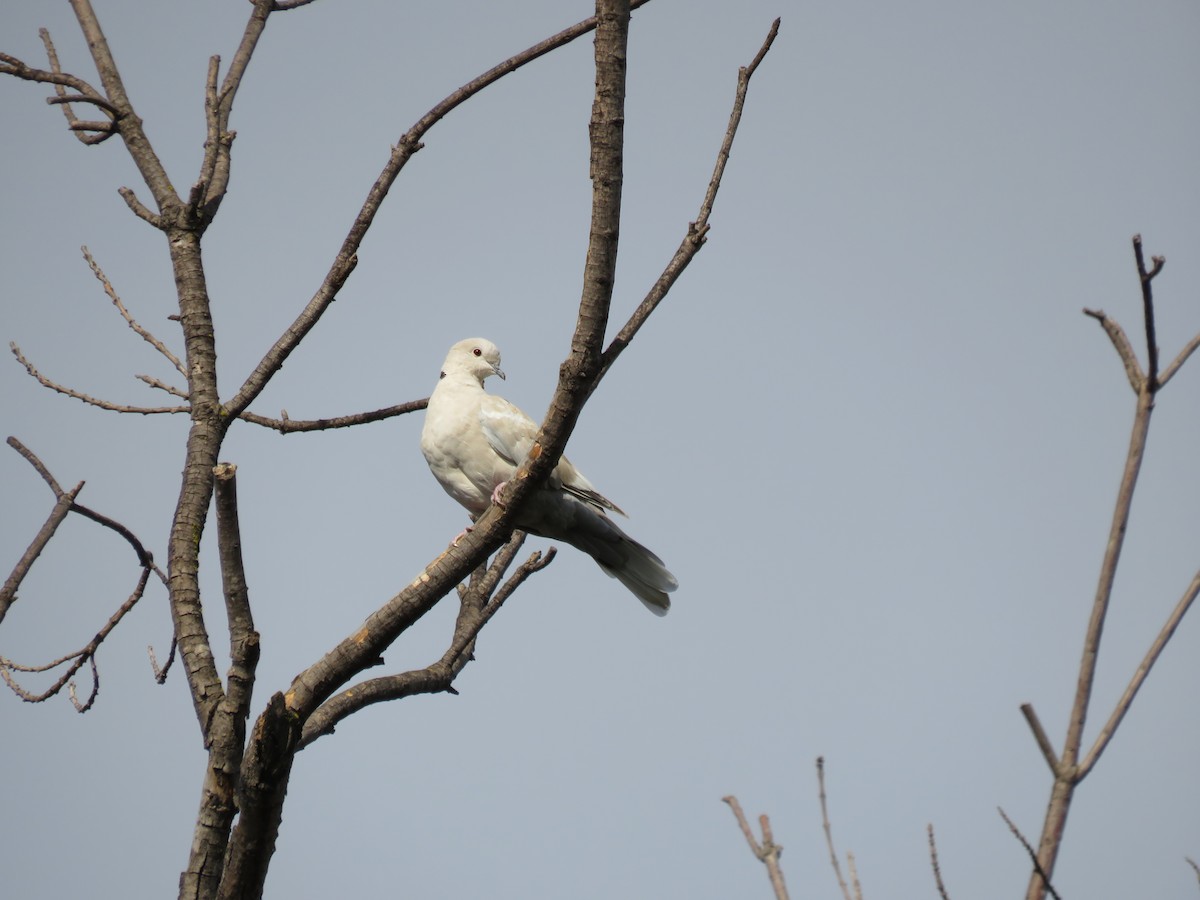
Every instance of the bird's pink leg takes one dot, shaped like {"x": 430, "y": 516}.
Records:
{"x": 462, "y": 534}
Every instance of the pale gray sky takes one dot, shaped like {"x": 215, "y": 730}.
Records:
{"x": 870, "y": 431}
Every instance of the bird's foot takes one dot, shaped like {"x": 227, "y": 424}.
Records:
{"x": 496, "y": 493}
{"x": 462, "y": 534}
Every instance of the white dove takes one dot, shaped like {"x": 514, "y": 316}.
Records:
{"x": 474, "y": 441}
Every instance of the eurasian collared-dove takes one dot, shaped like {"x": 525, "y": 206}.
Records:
{"x": 474, "y": 441}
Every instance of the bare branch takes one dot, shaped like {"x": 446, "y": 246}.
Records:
{"x": 1148, "y": 308}
{"x": 437, "y": 677}
{"x": 768, "y": 852}
{"x": 833, "y": 857}
{"x": 130, "y": 124}
{"x": 1116, "y": 334}
{"x": 1195, "y": 868}
{"x": 933, "y": 860}
{"x": 37, "y": 464}
{"x": 286, "y": 425}
{"x": 743, "y": 824}
{"x": 1037, "y": 866}
{"x": 697, "y": 231}
{"x": 139, "y": 209}
{"x": 145, "y": 558}
{"x": 85, "y": 93}
{"x": 1139, "y": 676}
{"x": 91, "y": 401}
{"x": 78, "y": 658}
{"x": 1179, "y": 360}
{"x": 853, "y": 869}
{"x": 8, "y": 593}
{"x": 1039, "y": 734}
{"x": 163, "y": 386}
{"x": 160, "y": 673}
{"x": 137, "y": 329}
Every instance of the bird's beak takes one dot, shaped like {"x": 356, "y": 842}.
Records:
{"x": 499, "y": 372}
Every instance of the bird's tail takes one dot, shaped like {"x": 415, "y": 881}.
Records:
{"x": 620, "y": 556}
{"x": 645, "y": 575}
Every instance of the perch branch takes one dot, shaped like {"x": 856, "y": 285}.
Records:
{"x": 438, "y": 677}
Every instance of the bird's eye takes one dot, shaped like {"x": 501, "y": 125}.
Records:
{"x": 477, "y": 352}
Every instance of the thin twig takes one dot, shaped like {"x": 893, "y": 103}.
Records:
{"x": 286, "y": 425}
{"x": 697, "y": 231}
{"x": 1039, "y": 734}
{"x": 833, "y": 857}
{"x": 1139, "y": 676}
{"x": 1037, "y": 866}
{"x": 160, "y": 673}
{"x": 138, "y": 329}
{"x": 852, "y": 868}
{"x": 1116, "y": 334}
{"x": 1148, "y": 308}
{"x": 163, "y": 386}
{"x": 933, "y": 860}
{"x": 81, "y": 656}
{"x": 91, "y": 401}
{"x": 1178, "y": 361}
{"x": 1195, "y": 868}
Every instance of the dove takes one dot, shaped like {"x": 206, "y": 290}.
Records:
{"x": 474, "y": 441}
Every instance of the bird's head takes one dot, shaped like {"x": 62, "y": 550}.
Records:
{"x": 478, "y": 357}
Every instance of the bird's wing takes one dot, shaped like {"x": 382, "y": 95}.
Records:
{"x": 508, "y": 430}
{"x": 510, "y": 433}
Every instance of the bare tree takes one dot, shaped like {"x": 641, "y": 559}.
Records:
{"x": 1072, "y": 766}
{"x": 247, "y": 772}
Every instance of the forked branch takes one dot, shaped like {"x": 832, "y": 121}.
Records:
{"x": 65, "y": 504}
{"x": 1068, "y": 767}
{"x": 768, "y": 852}
{"x": 479, "y": 602}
